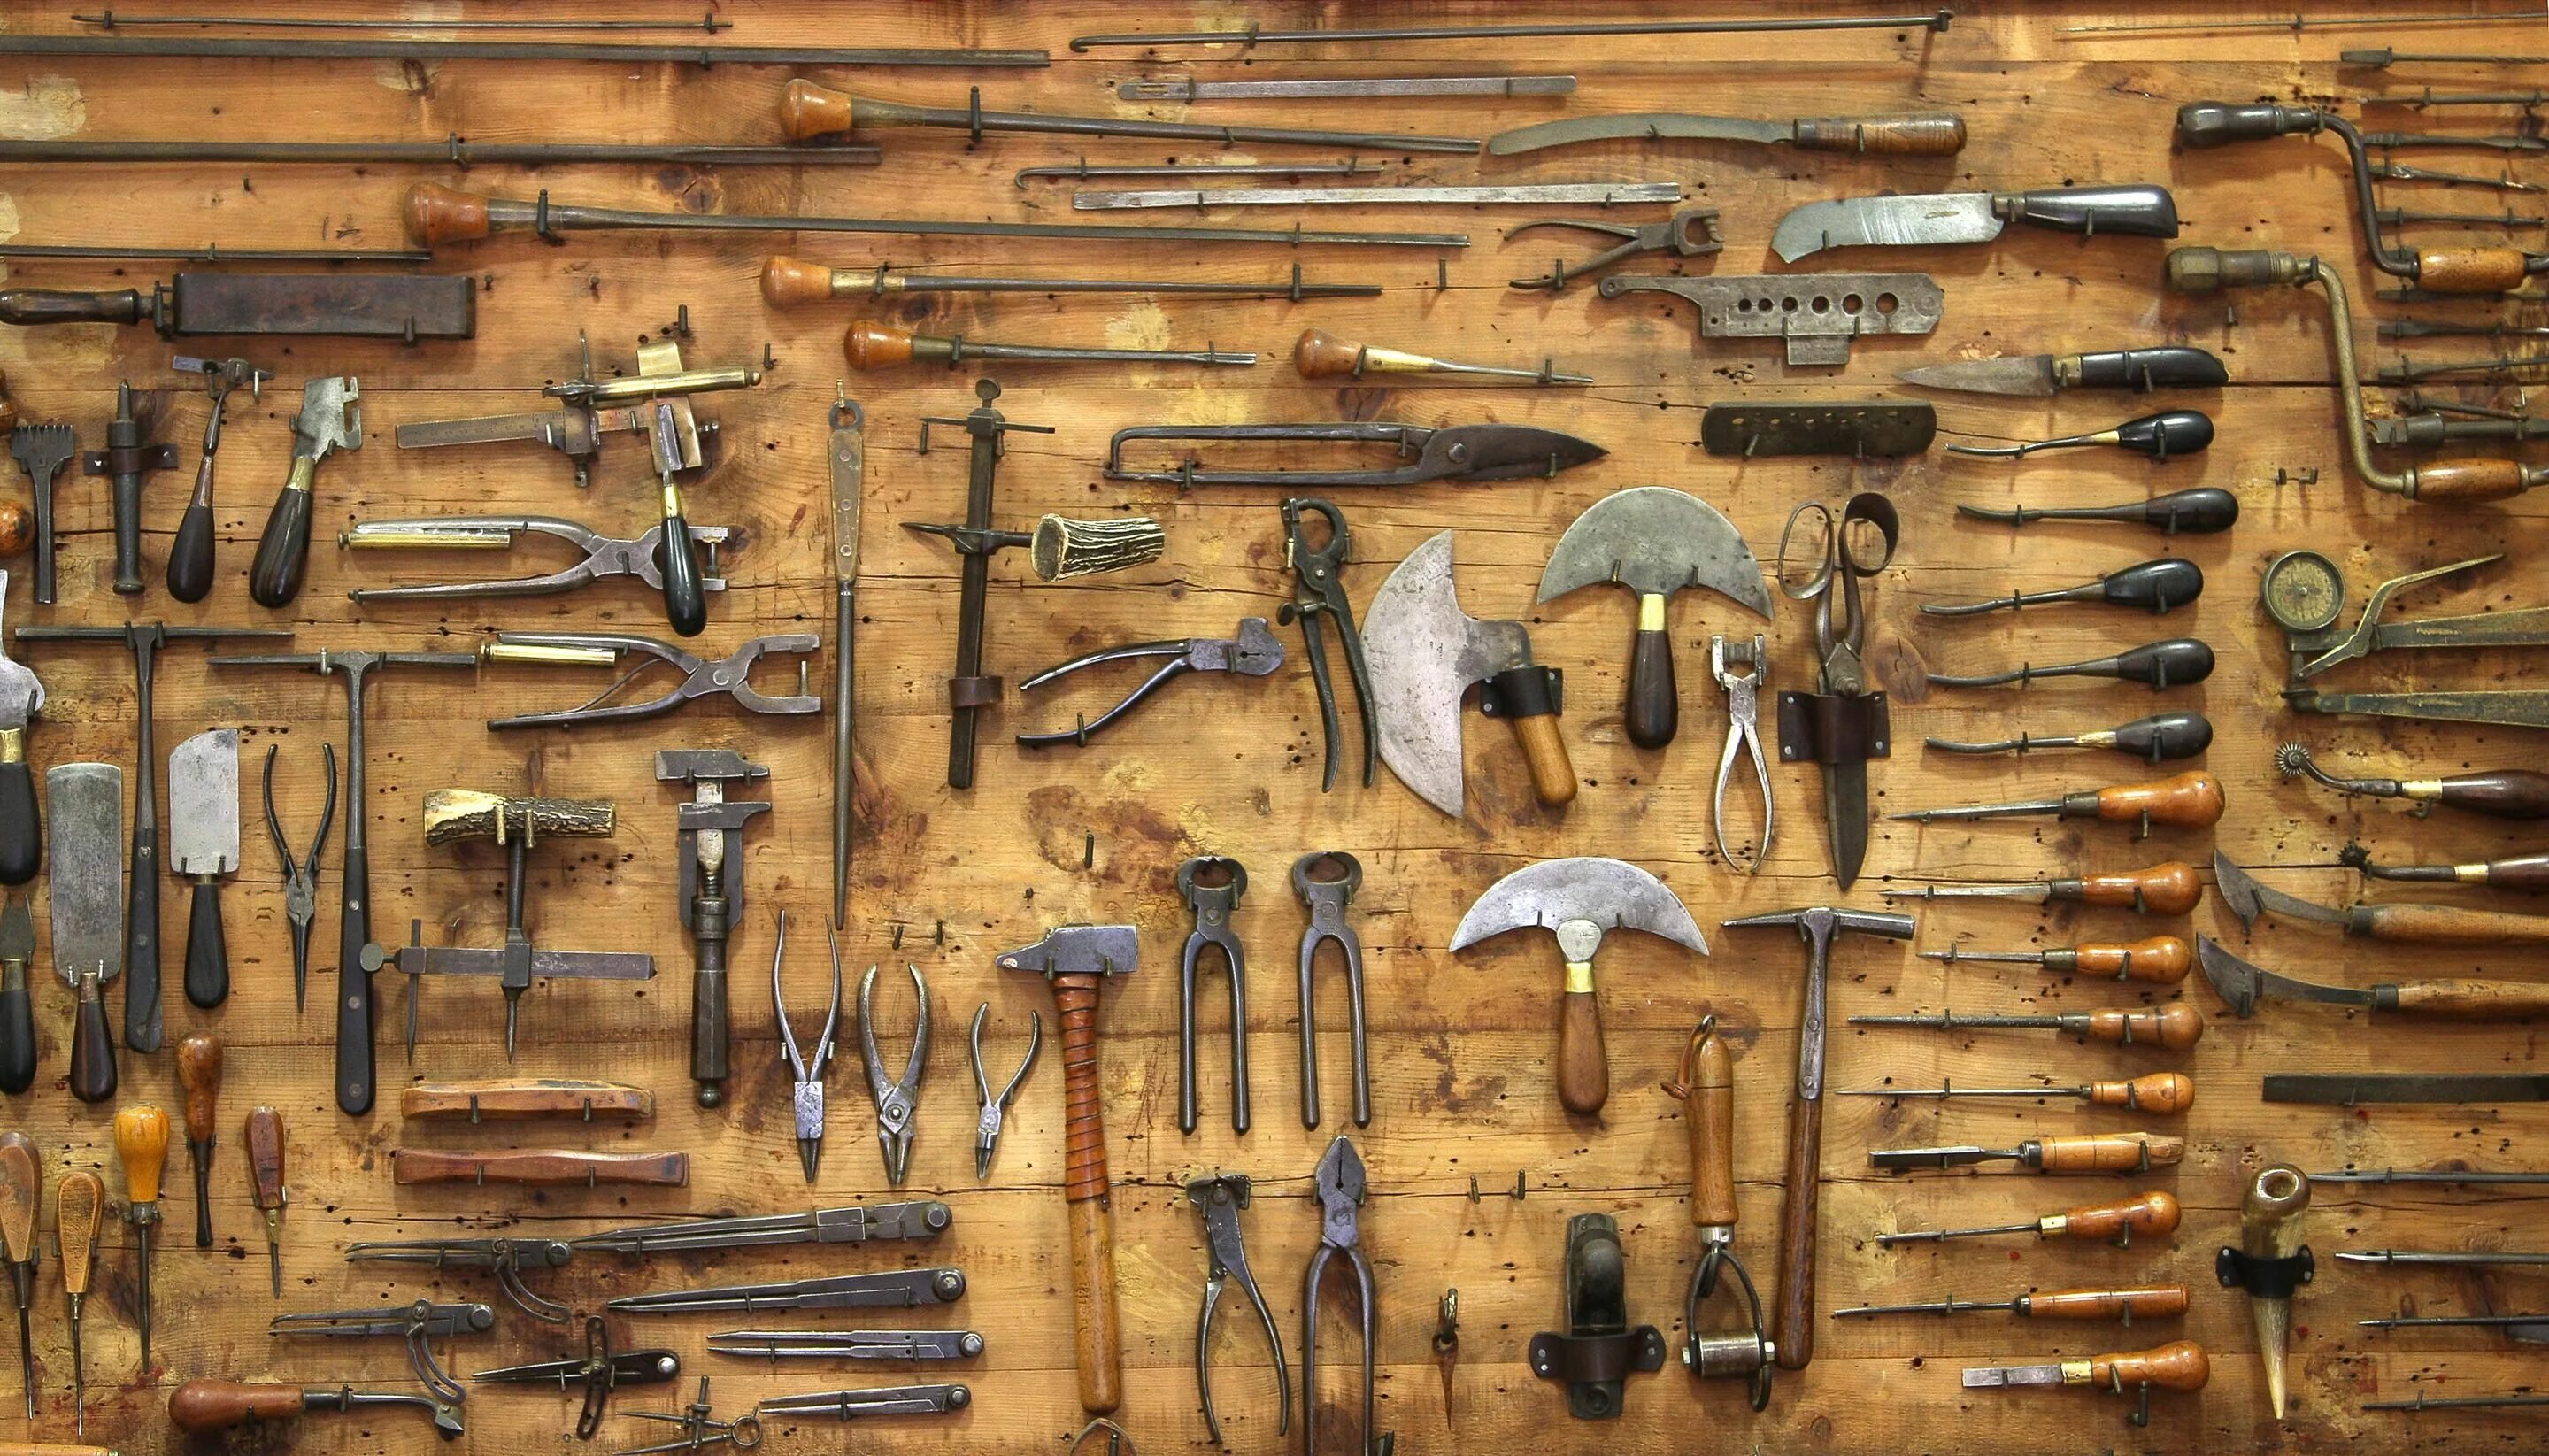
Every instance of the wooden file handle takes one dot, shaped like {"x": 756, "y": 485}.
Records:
{"x": 219, "y": 1404}
{"x": 199, "y": 1072}
{"x": 2447, "y": 924}
{"x": 513, "y": 1100}
{"x": 2161, "y": 1302}
{"x": 2468, "y": 269}
{"x": 436, "y": 215}
{"x": 2146, "y": 1214}
{"x": 2108, "y": 1152}
{"x": 2176, "y": 1027}
{"x": 1583, "y": 1063}
{"x": 1705, "y": 1087}
{"x": 1792, "y": 1318}
{"x": 2170, "y": 887}
{"x": 2459, "y": 482}
{"x": 2164, "y": 1092}
{"x": 30, "y": 306}
{"x": 2178, "y": 1365}
{"x": 2473, "y": 999}
{"x": 141, "y": 1143}
{"x": 2190, "y": 800}
{"x": 1096, "y": 1335}
{"x": 265, "y": 1158}
{"x": 79, "y": 1207}
{"x": 1552, "y": 773}
{"x": 22, "y": 1192}
{"x": 541, "y": 1169}
{"x": 788, "y": 282}
{"x": 1929, "y": 133}
{"x": 875, "y": 347}
{"x": 1318, "y": 354}
{"x": 807, "y": 111}
{"x": 2159, "y": 959}
{"x": 2508, "y": 793}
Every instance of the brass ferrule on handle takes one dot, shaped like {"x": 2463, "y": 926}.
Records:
{"x": 543, "y": 652}
{"x": 367, "y": 535}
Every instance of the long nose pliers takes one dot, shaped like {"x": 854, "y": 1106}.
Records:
{"x": 897, "y": 1099}
{"x": 300, "y": 875}
{"x": 806, "y": 1073}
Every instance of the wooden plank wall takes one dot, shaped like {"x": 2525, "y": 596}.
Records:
{"x": 1461, "y": 1045}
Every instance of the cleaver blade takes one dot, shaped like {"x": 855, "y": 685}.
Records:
{"x": 204, "y": 804}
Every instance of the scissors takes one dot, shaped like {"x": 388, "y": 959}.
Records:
{"x": 1845, "y": 725}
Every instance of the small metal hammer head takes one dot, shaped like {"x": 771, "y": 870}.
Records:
{"x": 1817, "y": 925}
{"x": 1079, "y": 950}
{"x": 706, "y": 765}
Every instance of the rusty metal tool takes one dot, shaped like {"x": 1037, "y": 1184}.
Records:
{"x": 2157, "y": 960}
{"x": 419, "y": 1324}
{"x": 2365, "y": 1089}
{"x": 2528, "y": 1329}
{"x": 127, "y": 456}
{"x": 1319, "y": 594}
{"x": 1921, "y": 134}
{"x": 2305, "y": 594}
{"x": 847, "y": 1405}
{"x": 2443, "y": 1258}
{"x": 2524, "y": 873}
{"x": 2162, "y": 436}
{"x": 2161, "y": 1093}
{"x": 895, "y": 1289}
{"x": 79, "y": 1214}
{"x": 141, "y": 1147}
{"x": 2178, "y": 1365}
{"x": 213, "y": 252}
{"x": 84, "y": 911}
{"x": 1690, "y": 231}
{"x": 454, "y": 151}
{"x": 1460, "y": 454}
{"x": 1426, "y": 653}
{"x": 429, "y": 51}
{"x": 855, "y": 1224}
{"x": 1253, "y": 35}
{"x": 1882, "y": 429}
{"x": 996, "y": 1105}
{"x": 1705, "y": 1084}
{"x": 1318, "y": 354}
{"x": 2188, "y": 799}
{"x": 1845, "y": 725}
{"x": 266, "y": 1188}
{"x": 807, "y": 111}
{"x": 541, "y": 1168}
{"x": 301, "y": 872}
{"x": 2135, "y": 210}
{"x": 1743, "y": 739}
{"x": 1403, "y": 194}
{"x": 710, "y": 893}
{"x": 969, "y": 691}
{"x": 2085, "y": 1152}
{"x": 2174, "y": 663}
{"x": 775, "y": 1345}
{"x": 2154, "y": 1214}
{"x": 699, "y": 1428}
{"x": 1326, "y": 881}
{"x": 592, "y": 405}
{"x": 203, "y": 846}
{"x": 1339, "y": 1183}
{"x": 1219, "y": 1198}
{"x": 1252, "y": 650}
{"x": 2439, "y": 425}
{"x": 2174, "y": 1026}
{"x": 2427, "y": 925}
{"x": 600, "y": 1371}
{"x": 17, "y": 1001}
{"x": 2039, "y": 376}
{"x": 2157, "y": 1302}
{"x": 22, "y": 827}
{"x": 42, "y": 450}
{"x": 1083, "y": 169}
{"x": 1212, "y": 886}
{"x": 897, "y": 1099}
{"x": 730, "y": 676}
{"x": 2423, "y": 1402}
{"x": 2270, "y": 1263}
{"x": 505, "y": 1258}
{"x": 2205, "y": 510}
{"x": 199, "y": 1073}
{"x": 190, "y": 556}
{"x": 847, "y": 453}
{"x": 2169, "y": 887}
{"x": 640, "y": 557}
{"x": 880, "y": 347}
{"x": 1816, "y": 316}
{"x": 2158, "y": 585}
{"x": 788, "y": 283}
{"x": 22, "y": 1196}
{"x": 1599, "y": 1347}
{"x": 331, "y": 419}
{"x": 1792, "y": 1328}
{"x": 204, "y": 1406}
{"x": 407, "y": 307}
{"x": 1188, "y": 89}
{"x": 1074, "y": 961}
{"x": 2154, "y": 739}
{"x": 805, "y": 1072}
{"x": 2424, "y": 1177}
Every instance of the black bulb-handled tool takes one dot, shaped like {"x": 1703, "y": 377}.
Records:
{"x": 331, "y": 419}
{"x": 2160, "y": 736}
{"x": 2160, "y": 437}
{"x": 2204, "y": 511}
{"x": 2175, "y": 662}
{"x": 190, "y": 557}
{"x": 2163, "y": 585}
{"x": 685, "y": 599}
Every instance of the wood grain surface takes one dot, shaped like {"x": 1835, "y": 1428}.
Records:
{"x": 1462, "y": 1047}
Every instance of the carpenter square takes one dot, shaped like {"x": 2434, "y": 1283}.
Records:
{"x": 203, "y": 846}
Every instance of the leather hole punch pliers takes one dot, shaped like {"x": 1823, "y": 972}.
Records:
{"x": 701, "y": 677}
{"x": 1340, "y": 1186}
{"x": 1688, "y": 232}
{"x": 1219, "y": 1198}
{"x": 806, "y": 1073}
{"x": 896, "y": 1099}
{"x": 1321, "y": 592}
{"x": 1214, "y": 905}
{"x": 300, "y": 875}
{"x": 604, "y": 556}
{"x": 1742, "y": 734}
{"x": 1327, "y": 900}
{"x": 1254, "y": 652}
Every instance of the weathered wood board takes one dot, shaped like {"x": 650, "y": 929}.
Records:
{"x": 1462, "y": 1047}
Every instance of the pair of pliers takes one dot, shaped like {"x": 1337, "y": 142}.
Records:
{"x": 604, "y": 556}
{"x": 896, "y": 1099}
{"x": 1254, "y": 652}
{"x": 1321, "y": 592}
{"x": 300, "y": 876}
{"x": 1688, "y": 232}
{"x": 1219, "y": 1198}
{"x": 701, "y": 677}
{"x": 806, "y": 1073}
{"x": 1743, "y": 735}
{"x": 1340, "y": 1186}
{"x": 986, "y": 1132}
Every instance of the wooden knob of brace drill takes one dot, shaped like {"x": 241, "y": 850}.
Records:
{"x": 2109, "y": 1152}
{"x": 437, "y": 214}
{"x": 2170, "y": 887}
{"x": 1706, "y": 1085}
{"x": 788, "y": 282}
{"x": 2178, "y": 1365}
{"x": 142, "y": 1143}
{"x": 2468, "y": 269}
{"x": 1932, "y": 134}
{"x": 2466, "y": 481}
{"x": 2190, "y": 800}
{"x": 2146, "y": 1214}
{"x": 875, "y": 346}
{"x": 219, "y": 1404}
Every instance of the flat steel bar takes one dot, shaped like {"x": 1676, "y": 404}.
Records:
{"x": 452, "y": 152}
{"x": 1934, "y": 22}
{"x": 1345, "y": 86}
{"x": 200, "y": 48}
{"x": 1536, "y": 194}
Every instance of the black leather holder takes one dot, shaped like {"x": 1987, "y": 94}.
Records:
{"x": 1600, "y": 1350}
{"x": 1821, "y": 728}
{"x": 2264, "y": 1279}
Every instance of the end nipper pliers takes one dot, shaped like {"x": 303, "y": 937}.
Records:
{"x": 896, "y": 1100}
{"x": 1742, "y": 734}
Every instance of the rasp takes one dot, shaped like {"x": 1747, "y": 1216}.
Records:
{"x": 401, "y": 306}
{"x": 2141, "y": 370}
{"x": 1927, "y": 133}
{"x": 203, "y": 846}
{"x": 84, "y": 835}
{"x": 1920, "y": 219}
{"x": 2242, "y": 984}
{"x": 2356, "y": 1089}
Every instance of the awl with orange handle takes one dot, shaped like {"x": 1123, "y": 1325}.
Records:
{"x": 2095, "y": 1152}
{"x": 2169, "y": 887}
{"x": 1705, "y": 1084}
{"x": 1319, "y": 355}
{"x": 2152, "y": 1214}
{"x": 22, "y": 1192}
{"x": 2163, "y": 1093}
{"x": 2159, "y": 1302}
{"x": 2190, "y": 800}
{"x": 2172, "y": 1027}
{"x": 79, "y": 1212}
{"x": 2178, "y": 1365}
{"x": 877, "y": 347}
{"x": 199, "y": 1072}
{"x": 2157, "y": 959}
{"x": 141, "y": 1144}
{"x": 265, "y": 1182}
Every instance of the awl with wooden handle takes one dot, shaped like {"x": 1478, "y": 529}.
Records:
{"x": 22, "y": 1191}
{"x": 266, "y": 1185}
{"x": 2159, "y": 1302}
{"x": 141, "y": 1144}
{"x": 79, "y": 1212}
{"x": 2098, "y": 1152}
{"x": 2152, "y": 1214}
{"x": 199, "y": 1072}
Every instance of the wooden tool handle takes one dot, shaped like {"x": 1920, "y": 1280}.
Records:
{"x": 1097, "y": 1336}
{"x": 1655, "y": 700}
{"x": 22, "y": 1191}
{"x": 1792, "y": 1319}
{"x": 2508, "y": 793}
{"x": 2178, "y": 1365}
{"x": 788, "y": 282}
{"x": 875, "y": 347}
{"x": 1583, "y": 1064}
{"x": 30, "y": 306}
{"x": 2473, "y": 999}
{"x": 2161, "y": 1302}
{"x": 282, "y": 559}
{"x": 2146, "y": 1214}
{"x": 199, "y": 1072}
{"x": 208, "y": 951}
{"x": 437, "y": 214}
{"x": 2468, "y": 269}
{"x": 1707, "y": 1086}
{"x": 1929, "y": 133}
{"x": 190, "y": 556}
{"x": 507, "y": 1100}
{"x": 1097, "y": 1339}
{"x": 2158, "y": 959}
{"x": 2188, "y": 799}
{"x": 54, "y": 1448}
{"x": 541, "y": 1169}
{"x": 2448, "y": 925}
{"x": 806, "y": 110}
{"x": 2170, "y": 887}
{"x": 1318, "y": 354}
{"x": 92, "y": 1072}
{"x": 142, "y": 1143}
{"x": 2163, "y": 1093}
{"x": 219, "y": 1404}
{"x": 686, "y": 600}
{"x": 1084, "y": 1123}
{"x": 79, "y": 1208}
{"x": 2176, "y": 1026}
{"x": 1552, "y": 773}
{"x": 265, "y": 1149}
{"x": 2458, "y": 482}
{"x": 2109, "y": 1152}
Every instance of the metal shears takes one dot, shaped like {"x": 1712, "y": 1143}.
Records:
{"x": 1845, "y": 725}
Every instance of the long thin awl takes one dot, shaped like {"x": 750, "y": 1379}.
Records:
{"x": 453, "y": 152}
{"x": 1343, "y": 87}
{"x": 848, "y": 457}
{"x": 1929, "y": 133}
{"x": 1511, "y": 194}
{"x": 429, "y": 51}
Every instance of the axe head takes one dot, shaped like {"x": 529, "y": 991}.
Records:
{"x": 1424, "y": 652}
{"x": 1579, "y": 899}
{"x": 1079, "y": 950}
{"x": 1655, "y": 541}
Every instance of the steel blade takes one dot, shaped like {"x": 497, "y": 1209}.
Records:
{"x": 1654, "y": 541}
{"x": 1644, "y": 126}
{"x": 1612, "y": 893}
{"x": 2029, "y": 375}
{"x": 2357, "y": 1089}
{"x": 1885, "y": 222}
{"x": 203, "y": 804}
{"x": 1425, "y": 653}
{"x": 2005, "y": 1375}
{"x": 1845, "y": 818}
{"x": 2247, "y": 899}
{"x": 2242, "y": 984}
{"x": 84, "y": 859}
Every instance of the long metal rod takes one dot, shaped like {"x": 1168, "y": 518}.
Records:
{"x": 2297, "y": 23}
{"x": 884, "y": 281}
{"x": 1934, "y": 22}
{"x": 1595, "y": 194}
{"x": 1191, "y": 89}
{"x": 109, "y": 20}
{"x": 2386, "y": 57}
{"x": 197, "y": 48}
{"x": 1082, "y": 170}
{"x": 452, "y": 151}
{"x": 214, "y": 252}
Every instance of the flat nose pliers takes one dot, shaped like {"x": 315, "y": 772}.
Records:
{"x": 1743, "y": 735}
{"x": 604, "y": 556}
{"x": 701, "y": 677}
{"x": 300, "y": 875}
{"x": 895, "y": 1099}
{"x": 1254, "y": 652}
{"x": 1219, "y": 1198}
{"x": 806, "y": 1073}
{"x": 1688, "y": 232}
{"x": 1321, "y": 592}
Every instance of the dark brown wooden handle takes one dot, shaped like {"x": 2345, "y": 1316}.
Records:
{"x": 2469, "y": 269}
{"x": 2158, "y": 1092}
{"x": 2108, "y": 1152}
{"x": 1711, "y": 1096}
{"x": 2159, "y": 958}
{"x": 515, "y": 1099}
{"x": 1929, "y": 133}
{"x": 2190, "y": 800}
{"x": 2167, "y": 888}
{"x": 33, "y": 307}
{"x": 2473, "y": 999}
{"x": 875, "y": 346}
{"x": 219, "y": 1404}
{"x": 2149, "y": 1215}
{"x": 199, "y": 1072}
{"x": 2161, "y": 1302}
{"x": 92, "y": 1045}
{"x": 265, "y": 1157}
{"x": 2447, "y": 924}
{"x": 1318, "y": 354}
{"x": 2526, "y": 873}
{"x": 541, "y": 1169}
{"x": 437, "y": 214}
{"x": 2508, "y": 793}
{"x": 22, "y": 1195}
{"x": 1655, "y": 699}
{"x": 2457, "y": 482}
{"x": 1553, "y": 774}
{"x": 2178, "y": 1365}
{"x": 1792, "y": 1318}
{"x": 788, "y": 282}
{"x": 1583, "y": 1066}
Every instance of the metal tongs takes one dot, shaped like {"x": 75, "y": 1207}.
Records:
{"x": 892, "y": 1289}
{"x": 701, "y": 677}
{"x": 854, "y": 1223}
{"x": 417, "y": 1324}
{"x": 604, "y": 556}
{"x": 910, "y": 1399}
{"x": 507, "y": 1258}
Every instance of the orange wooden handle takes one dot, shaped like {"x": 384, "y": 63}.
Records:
{"x": 2159, "y": 1092}
{"x": 2109, "y": 1152}
{"x": 2176, "y": 1026}
{"x": 2153, "y": 1213}
{"x": 2188, "y": 800}
{"x": 1097, "y": 1337}
{"x": 2473, "y": 998}
{"x": 1708, "y": 1086}
{"x": 2160, "y": 960}
{"x": 79, "y": 1207}
{"x": 218, "y": 1404}
{"x": 1792, "y": 1318}
{"x": 788, "y": 282}
{"x": 1084, "y": 1119}
{"x": 1935, "y": 133}
{"x": 199, "y": 1072}
{"x": 2178, "y": 1365}
{"x": 2468, "y": 269}
{"x": 1583, "y": 1067}
{"x": 2459, "y": 482}
{"x": 1552, "y": 773}
{"x": 2159, "y": 1302}
{"x": 141, "y": 1143}
{"x": 875, "y": 346}
{"x": 2451, "y": 924}
{"x": 53, "y": 1448}
{"x": 807, "y": 111}
{"x": 1319, "y": 355}
{"x": 2170, "y": 887}
{"x": 437, "y": 214}
{"x": 21, "y": 1193}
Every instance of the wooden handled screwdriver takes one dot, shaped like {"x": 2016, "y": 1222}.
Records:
{"x": 265, "y": 1182}
{"x": 2170, "y": 887}
{"x": 141, "y": 1145}
{"x": 2174, "y": 1026}
{"x": 2151, "y": 1215}
{"x": 199, "y": 1072}
{"x": 22, "y": 1191}
{"x": 2190, "y": 800}
{"x": 79, "y": 1212}
{"x": 2505, "y": 793}
{"x": 2099, "y": 1152}
{"x": 2157, "y": 959}
{"x": 2178, "y": 1365}
{"x": 1319, "y": 355}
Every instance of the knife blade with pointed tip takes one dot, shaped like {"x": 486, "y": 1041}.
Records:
{"x": 1926, "y": 134}
{"x": 1918, "y": 218}
{"x": 2242, "y": 984}
{"x": 2141, "y": 370}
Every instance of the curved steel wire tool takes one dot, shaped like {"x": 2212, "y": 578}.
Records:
{"x": 1320, "y": 592}
{"x": 507, "y": 1258}
{"x": 1219, "y": 1198}
{"x": 300, "y": 873}
{"x": 417, "y": 1324}
{"x": 600, "y": 1371}
{"x": 987, "y": 1132}
{"x": 701, "y": 677}
{"x": 604, "y": 556}
{"x": 806, "y": 1074}
{"x": 1254, "y": 652}
{"x": 896, "y": 1099}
